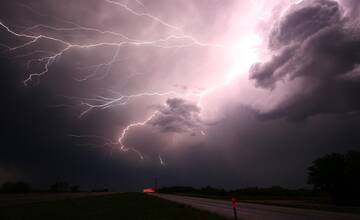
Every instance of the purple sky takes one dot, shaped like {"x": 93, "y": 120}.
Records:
{"x": 202, "y": 92}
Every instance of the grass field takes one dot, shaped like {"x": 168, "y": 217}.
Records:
{"x": 115, "y": 206}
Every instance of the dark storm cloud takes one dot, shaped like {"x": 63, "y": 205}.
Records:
{"x": 314, "y": 42}
{"x": 38, "y": 143}
{"x": 36, "y": 146}
{"x": 37, "y": 124}
{"x": 304, "y": 20}
{"x": 178, "y": 115}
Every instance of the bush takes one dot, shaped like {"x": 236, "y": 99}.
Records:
{"x": 16, "y": 187}
{"x": 339, "y": 175}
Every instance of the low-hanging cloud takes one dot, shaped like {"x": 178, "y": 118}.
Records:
{"x": 177, "y": 115}
{"x": 318, "y": 43}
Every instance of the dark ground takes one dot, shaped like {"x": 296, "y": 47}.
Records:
{"x": 115, "y": 206}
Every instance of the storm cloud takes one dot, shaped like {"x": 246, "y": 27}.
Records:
{"x": 178, "y": 115}
{"x": 171, "y": 83}
{"x": 315, "y": 43}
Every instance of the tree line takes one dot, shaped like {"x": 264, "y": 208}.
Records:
{"x": 335, "y": 175}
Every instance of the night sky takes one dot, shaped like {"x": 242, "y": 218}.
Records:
{"x": 227, "y": 93}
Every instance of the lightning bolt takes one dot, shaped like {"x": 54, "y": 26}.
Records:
{"x": 162, "y": 161}
{"x": 101, "y": 102}
{"x": 140, "y": 14}
{"x": 105, "y": 142}
{"x": 136, "y": 124}
{"x": 67, "y": 46}
{"x": 178, "y": 39}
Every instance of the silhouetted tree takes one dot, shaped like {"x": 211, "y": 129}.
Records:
{"x": 17, "y": 187}
{"x": 339, "y": 175}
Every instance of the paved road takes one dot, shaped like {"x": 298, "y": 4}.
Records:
{"x": 19, "y": 199}
{"x": 247, "y": 211}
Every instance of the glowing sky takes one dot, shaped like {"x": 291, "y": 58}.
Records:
{"x": 173, "y": 88}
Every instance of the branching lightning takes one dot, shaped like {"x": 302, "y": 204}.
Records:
{"x": 47, "y": 57}
{"x": 149, "y": 16}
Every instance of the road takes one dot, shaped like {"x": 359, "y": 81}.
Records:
{"x": 20, "y": 199}
{"x": 247, "y": 211}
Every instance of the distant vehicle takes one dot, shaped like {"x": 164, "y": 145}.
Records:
{"x": 149, "y": 190}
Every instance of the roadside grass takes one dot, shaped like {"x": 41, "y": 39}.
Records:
{"x": 116, "y": 206}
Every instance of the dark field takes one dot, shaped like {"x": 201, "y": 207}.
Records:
{"x": 115, "y": 206}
